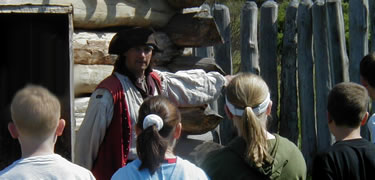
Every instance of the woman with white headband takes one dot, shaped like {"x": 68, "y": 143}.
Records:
{"x": 256, "y": 153}
{"x": 158, "y": 127}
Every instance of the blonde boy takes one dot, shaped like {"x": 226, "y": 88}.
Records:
{"x": 36, "y": 124}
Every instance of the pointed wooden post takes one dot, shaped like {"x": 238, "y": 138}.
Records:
{"x": 305, "y": 80}
{"x": 268, "y": 55}
{"x": 322, "y": 73}
{"x": 337, "y": 46}
{"x": 358, "y": 35}
{"x": 249, "y": 38}
{"x": 288, "y": 102}
{"x": 223, "y": 58}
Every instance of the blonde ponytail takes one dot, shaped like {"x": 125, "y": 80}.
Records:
{"x": 246, "y": 91}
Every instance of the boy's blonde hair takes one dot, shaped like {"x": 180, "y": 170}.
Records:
{"x": 35, "y": 111}
{"x": 244, "y": 91}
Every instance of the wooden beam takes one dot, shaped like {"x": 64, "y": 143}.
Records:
{"x": 96, "y": 14}
{"x": 193, "y": 30}
{"x": 179, "y": 4}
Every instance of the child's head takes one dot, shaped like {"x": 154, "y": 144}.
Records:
{"x": 35, "y": 111}
{"x": 248, "y": 104}
{"x": 158, "y": 127}
{"x": 347, "y": 104}
{"x": 367, "y": 71}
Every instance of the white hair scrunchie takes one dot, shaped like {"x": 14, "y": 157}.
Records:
{"x": 153, "y": 119}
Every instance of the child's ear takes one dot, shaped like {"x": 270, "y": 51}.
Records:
{"x": 329, "y": 118}
{"x": 13, "y": 130}
{"x": 364, "y": 120}
{"x": 177, "y": 132}
{"x": 269, "y": 108}
{"x": 60, "y": 127}
{"x": 137, "y": 130}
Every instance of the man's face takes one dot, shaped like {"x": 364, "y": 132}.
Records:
{"x": 138, "y": 58}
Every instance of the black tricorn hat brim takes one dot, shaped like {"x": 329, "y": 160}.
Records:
{"x": 128, "y": 38}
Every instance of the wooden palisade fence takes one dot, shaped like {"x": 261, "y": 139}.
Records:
{"x": 314, "y": 57}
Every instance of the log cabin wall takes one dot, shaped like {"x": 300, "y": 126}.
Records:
{"x": 35, "y": 49}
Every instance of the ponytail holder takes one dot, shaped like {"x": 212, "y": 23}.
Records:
{"x": 261, "y": 108}
{"x": 153, "y": 119}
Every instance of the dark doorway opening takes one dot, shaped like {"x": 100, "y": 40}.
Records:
{"x": 35, "y": 48}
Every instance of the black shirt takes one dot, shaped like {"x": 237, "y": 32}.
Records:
{"x": 350, "y": 159}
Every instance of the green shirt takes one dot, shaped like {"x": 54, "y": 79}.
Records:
{"x": 229, "y": 162}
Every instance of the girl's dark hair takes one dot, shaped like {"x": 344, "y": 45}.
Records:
{"x": 151, "y": 143}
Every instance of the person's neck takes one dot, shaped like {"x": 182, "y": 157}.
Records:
{"x": 138, "y": 74}
{"x": 343, "y": 134}
{"x": 32, "y": 147}
{"x": 169, "y": 154}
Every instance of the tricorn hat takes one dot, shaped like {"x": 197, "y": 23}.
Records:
{"x": 128, "y": 38}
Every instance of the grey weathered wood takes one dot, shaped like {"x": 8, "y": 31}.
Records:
{"x": 249, "y": 38}
{"x": 194, "y": 62}
{"x": 37, "y": 8}
{"x": 336, "y": 34}
{"x": 193, "y": 30}
{"x": 358, "y": 40}
{"x": 322, "y": 73}
{"x": 305, "y": 80}
{"x": 223, "y": 53}
{"x": 358, "y": 35}
{"x": 94, "y": 14}
{"x": 179, "y": 4}
{"x": 268, "y": 55}
{"x": 223, "y": 58}
{"x": 372, "y": 24}
{"x": 199, "y": 120}
{"x": 207, "y": 51}
{"x": 288, "y": 87}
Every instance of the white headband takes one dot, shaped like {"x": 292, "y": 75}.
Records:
{"x": 261, "y": 108}
{"x": 153, "y": 119}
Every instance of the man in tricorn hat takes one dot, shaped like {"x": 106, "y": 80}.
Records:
{"x": 106, "y": 138}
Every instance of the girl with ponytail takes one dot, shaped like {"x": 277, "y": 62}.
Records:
{"x": 256, "y": 153}
{"x": 158, "y": 127}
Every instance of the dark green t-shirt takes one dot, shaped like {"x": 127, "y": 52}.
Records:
{"x": 229, "y": 162}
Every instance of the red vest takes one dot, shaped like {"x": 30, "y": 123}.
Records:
{"x": 114, "y": 149}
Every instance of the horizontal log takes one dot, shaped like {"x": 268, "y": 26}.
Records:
{"x": 87, "y": 77}
{"x": 199, "y": 119}
{"x": 179, "y": 4}
{"x": 96, "y": 14}
{"x": 195, "y": 120}
{"x": 194, "y": 62}
{"x": 92, "y": 48}
{"x": 193, "y": 30}
{"x": 80, "y": 106}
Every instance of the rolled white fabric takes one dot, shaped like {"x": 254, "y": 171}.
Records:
{"x": 153, "y": 119}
